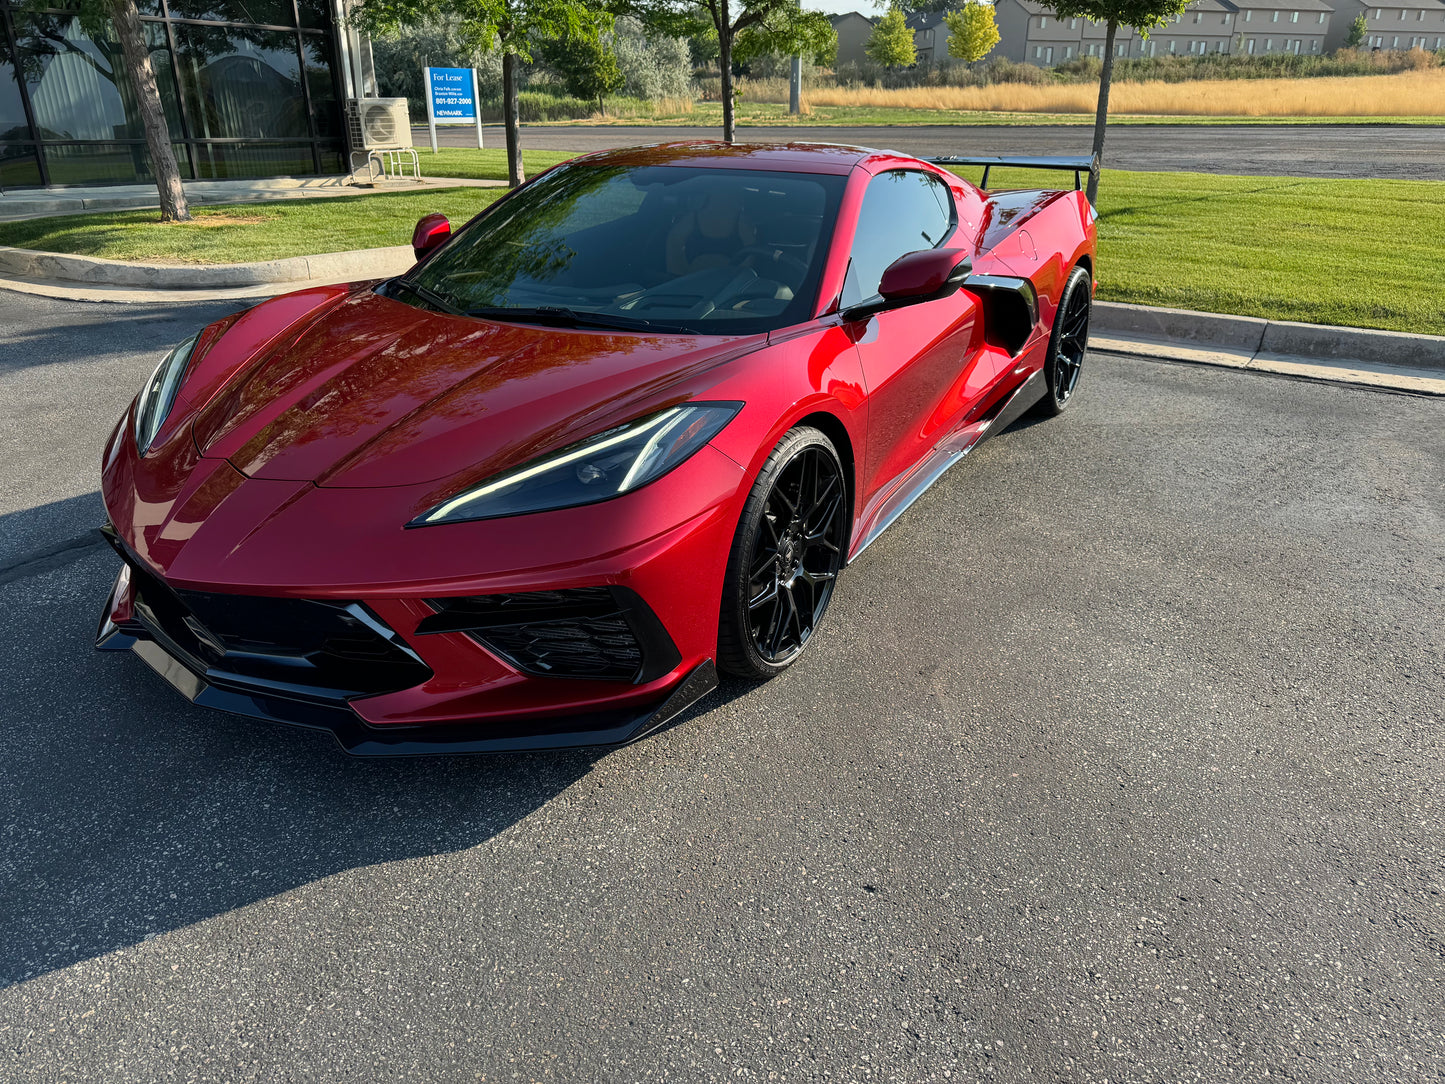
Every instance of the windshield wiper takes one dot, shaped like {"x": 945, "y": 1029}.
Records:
{"x": 431, "y": 297}
{"x": 561, "y": 316}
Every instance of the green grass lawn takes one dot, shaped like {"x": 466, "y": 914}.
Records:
{"x": 1357, "y": 253}
{"x": 242, "y": 232}
{"x": 1361, "y": 253}
{"x": 486, "y": 164}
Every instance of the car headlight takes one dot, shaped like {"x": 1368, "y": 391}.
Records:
{"x": 605, "y": 466}
{"x": 159, "y": 394}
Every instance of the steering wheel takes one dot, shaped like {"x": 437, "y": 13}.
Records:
{"x": 771, "y": 256}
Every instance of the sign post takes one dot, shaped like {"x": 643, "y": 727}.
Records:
{"x": 451, "y": 98}
{"x": 477, "y": 108}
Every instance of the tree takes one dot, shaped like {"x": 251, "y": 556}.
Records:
{"x": 770, "y": 24}
{"x": 99, "y": 19}
{"x": 1358, "y": 29}
{"x": 507, "y": 26}
{"x": 1143, "y": 16}
{"x": 971, "y": 31}
{"x": 891, "y": 43}
{"x": 806, "y": 33}
{"x": 588, "y": 67}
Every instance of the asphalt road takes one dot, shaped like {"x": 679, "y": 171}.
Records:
{"x": 1120, "y": 758}
{"x": 1400, "y": 151}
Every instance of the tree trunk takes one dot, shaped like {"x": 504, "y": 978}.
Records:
{"x": 725, "y": 60}
{"x": 1101, "y": 118}
{"x": 142, "y": 77}
{"x": 512, "y": 120}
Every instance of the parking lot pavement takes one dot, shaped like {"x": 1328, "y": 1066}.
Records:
{"x": 1118, "y": 759}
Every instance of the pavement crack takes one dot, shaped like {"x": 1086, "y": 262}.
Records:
{"x": 50, "y": 557}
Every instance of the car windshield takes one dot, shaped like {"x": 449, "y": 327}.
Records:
{"x": 669, "y": 248}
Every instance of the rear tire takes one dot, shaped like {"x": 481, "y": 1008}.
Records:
{"x": 785, "y": 557}
{"x": 1068, "y": 343}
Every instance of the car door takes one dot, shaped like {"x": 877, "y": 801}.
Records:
{"x": 922, "y": 362}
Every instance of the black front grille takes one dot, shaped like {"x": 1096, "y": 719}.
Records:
{"x": 606, "y": 633}
{"x": 300, "y": 647}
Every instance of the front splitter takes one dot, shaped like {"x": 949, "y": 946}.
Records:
{"x": 361, "y": 739}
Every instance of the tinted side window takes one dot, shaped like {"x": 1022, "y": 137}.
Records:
{"x": 903, "y": 211}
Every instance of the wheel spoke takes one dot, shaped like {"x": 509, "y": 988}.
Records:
{"x": 797, "y": 552}
{"x": 775, "y": 645}
{"x": 766, "y": 595}
{"x": 763, "y": 563}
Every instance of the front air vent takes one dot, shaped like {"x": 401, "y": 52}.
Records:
{"x": 602, "y": 633}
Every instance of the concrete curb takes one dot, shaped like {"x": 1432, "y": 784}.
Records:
{"x": 1248, "y": 340}
{"x": 51, "y": 267}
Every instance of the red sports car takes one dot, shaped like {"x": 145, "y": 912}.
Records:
{"x": 619, "y": 432}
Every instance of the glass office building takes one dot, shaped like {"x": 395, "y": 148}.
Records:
{"x": 250, "y": 88}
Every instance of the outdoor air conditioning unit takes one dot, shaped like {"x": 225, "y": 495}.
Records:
{"x": 377, "y": 123}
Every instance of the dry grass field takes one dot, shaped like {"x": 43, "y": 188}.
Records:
{"x": 1414, "y": 93}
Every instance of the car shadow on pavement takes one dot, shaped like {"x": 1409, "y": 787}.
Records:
{"x": 127, "y": 812}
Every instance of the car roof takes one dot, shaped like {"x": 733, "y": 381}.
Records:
{"x": 709, "y": 153}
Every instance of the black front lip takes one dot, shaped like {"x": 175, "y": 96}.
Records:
{"x": 359, "y": 738}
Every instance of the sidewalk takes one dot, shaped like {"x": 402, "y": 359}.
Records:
{"x": 21, "y": 203}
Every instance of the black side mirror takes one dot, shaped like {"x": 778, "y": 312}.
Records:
{"x": 916, "y": 277}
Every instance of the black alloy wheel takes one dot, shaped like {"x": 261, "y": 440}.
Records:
{"x": 785, "y": 558}
{"x": 1069, "y": 341}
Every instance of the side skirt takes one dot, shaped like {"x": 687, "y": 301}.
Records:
{"x": 948, "y": 454}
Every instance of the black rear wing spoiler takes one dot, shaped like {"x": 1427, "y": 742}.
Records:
{"x": 1076, "y": 164}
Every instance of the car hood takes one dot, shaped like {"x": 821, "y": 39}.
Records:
{"x": 374, "y": 392}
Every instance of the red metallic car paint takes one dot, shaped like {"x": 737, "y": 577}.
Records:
{"x": 313, "y": 427}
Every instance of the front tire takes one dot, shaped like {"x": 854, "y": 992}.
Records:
{"x": 1069, "y": 342}
{"x": 785, "y": 557}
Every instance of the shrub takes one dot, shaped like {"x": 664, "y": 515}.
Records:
{"x": 652, "y": 66}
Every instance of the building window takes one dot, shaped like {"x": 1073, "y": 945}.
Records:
{"x": 1294, "y": 16}
{"x": 1073, "y": 24}
{"x": 1171, "y": 46}
{"x": 1315, "y": 46}
{"x": 241, "y": 98}
{"x": 1420, "y": 16}
{"x": 1249, "y": 47}
{"x": 1268, "y": 44}
{"x": 1043, "y": 21}
{"x": 1395, "y": 42}
{"x": 1321, "y": 19}
{"x": 1402, "y": 15}
{"x": 1198, "y": 17}
{"x": 1274, "y": 16}
{"x": 1068, "y": 52}
{"x": 1248, "y": 15}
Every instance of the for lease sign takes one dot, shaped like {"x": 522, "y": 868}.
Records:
{"x": 452, "y": 100}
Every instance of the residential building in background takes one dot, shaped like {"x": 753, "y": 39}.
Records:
{"x": 853, "y": 31}
{"x": 1207, "y": 26}
{"x": 1400, "y": 24}
{"x": 930, "y": 36}
{"x": 1283, "y": 26}
{"x": 1030, "y": 32}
